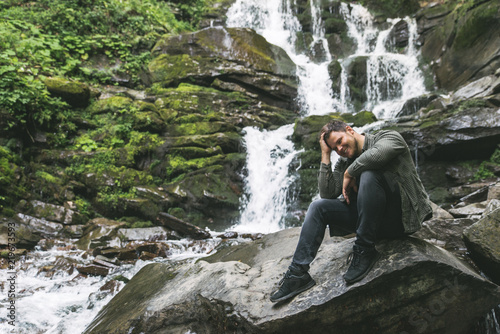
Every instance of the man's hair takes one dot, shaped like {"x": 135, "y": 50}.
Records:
{"x": 334, "y": 125}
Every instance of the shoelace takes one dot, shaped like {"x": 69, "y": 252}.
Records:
{"x": 285, "y": 276}
{"x": 354, "y": 258}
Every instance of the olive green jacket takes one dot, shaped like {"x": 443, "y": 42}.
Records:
{"x": 386, "y": 151}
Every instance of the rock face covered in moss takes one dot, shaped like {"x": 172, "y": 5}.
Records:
{"x": 234, "y": 56}
{"x": 461, "y": 44}
{"x": 175, "y": 147}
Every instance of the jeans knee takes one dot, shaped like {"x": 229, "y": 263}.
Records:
{"x": 370, "y": 176}
{"x": 317, "y": 205}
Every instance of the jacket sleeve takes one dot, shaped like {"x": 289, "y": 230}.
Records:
{"x": 330, "y": 182}
{"x": 388, "y": 145}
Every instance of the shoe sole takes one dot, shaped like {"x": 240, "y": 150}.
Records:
{"x": 359, "y": 278}
{"x": 294, "y": 293}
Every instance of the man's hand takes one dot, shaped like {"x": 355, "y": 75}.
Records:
{"x": 348, "y": 184}
{"x": 325, "y": 150}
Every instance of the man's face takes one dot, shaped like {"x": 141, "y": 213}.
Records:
{"x": 344, "y": 143}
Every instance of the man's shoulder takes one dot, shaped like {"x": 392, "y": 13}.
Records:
{"x": 386, "y": 134}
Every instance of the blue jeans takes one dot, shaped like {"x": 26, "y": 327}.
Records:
{"x": 374, "y": 214}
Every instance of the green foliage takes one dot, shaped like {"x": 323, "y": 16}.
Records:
{"x": 141, "y": 224}
{"x": 468, "y": 104}
{"x": 483, "y": 171}
{"x": 24, "y": 55}
{"x": 478, "y": 24}
{"x": 61, "y": 37}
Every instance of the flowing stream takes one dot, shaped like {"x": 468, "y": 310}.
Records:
{"x": 59, "y": 302}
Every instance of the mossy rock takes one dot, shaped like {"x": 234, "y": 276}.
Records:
{"x": 306, "y": 130}
{"x": 75, "y": 93}
{"x": 212, "y": 193}
{"x": 112, "y": 176}
{"x": 199, "y": 128}
{"x": 177, "y": 165}
{"x": 99, "y": 232}
{"x": 148, "y": 121}
{"x": 168, "y": 115}
{"x": 392, "y": 8}
{"x": 111, "y": 105}
{"x": 195, "y": 152}
{"x": 476, "y": 28}
{"x": 360, "y": 119}
{"x": 335, "y": 25}
{"x": 335, "y": 71}
{"x": 224, "y": 46}
{"x": 229, "y": 142}
{"x": 357, "y": 79}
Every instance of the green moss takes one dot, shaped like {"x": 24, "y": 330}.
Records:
{"x": 48, "y": 177}
{"x": 111, "y": 105}
{"x": 476, "y": 26}
{"x": 195, "y": 152}
{"x": 199, "y": 128}
{"x": 177, "y": 212}
{"x": 168, "y": 69}
{"x": 121, "y": 278}
{"x": 178, "y": 164}
{"x": 142, "y": 224}
{"x": 168, "y": 115}
{"x": 360, "y": 119}
{"x": 486, "y": 168}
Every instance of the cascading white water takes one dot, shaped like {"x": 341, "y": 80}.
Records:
{"x": 268, "y": 180}
{"x": 392, "y": 79}
{"x": 275, "y": 21}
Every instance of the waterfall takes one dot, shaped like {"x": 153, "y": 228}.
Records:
{"x": 392, "y": 78}
{"x": 268, "y": 160}
{"x": 276, "y": 22}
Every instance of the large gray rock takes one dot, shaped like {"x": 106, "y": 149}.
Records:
{"x": 415, "y": 287}
{"x": 482, "y": 240}
{"x": 445, "y": 136}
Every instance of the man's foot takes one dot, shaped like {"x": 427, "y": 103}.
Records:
{"x": 362, "y": 261}
{"x": 291, "y": 285}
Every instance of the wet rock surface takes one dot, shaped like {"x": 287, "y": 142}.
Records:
{"x": 412, "y": 277}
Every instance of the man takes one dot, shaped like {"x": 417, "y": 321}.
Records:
{"x": 382, "y": 197}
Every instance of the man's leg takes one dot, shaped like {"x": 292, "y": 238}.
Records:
{"x": 379, "y": 210}
{"x": 320, "y": 214}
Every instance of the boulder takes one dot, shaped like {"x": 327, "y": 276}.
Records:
{"x": 237, "y": 55}
{"x": 482, "y": 241}
{"x": 75, "y": 93}
{"x": 446, "y": 233}
{"x": 142, "y": 234}
{"x": 55, "y": 213}
{"x": 471, "y": 210}
{"x": 40, "y": 226}
{"x": 446, "y": 136}
{"x": 100, "y": 232}
{"x": 25, "y": 235}
{"x": 414, "y": 287}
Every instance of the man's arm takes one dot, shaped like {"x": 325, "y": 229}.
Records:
{"x": 330, "y": 183}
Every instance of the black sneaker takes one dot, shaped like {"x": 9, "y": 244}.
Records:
{"x": 362, "y": 261}
{"x": 291, "y": 285}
